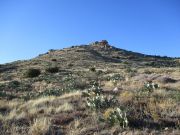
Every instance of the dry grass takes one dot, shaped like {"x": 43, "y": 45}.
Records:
{"x": 109, "y": 84}
{"x": 45, "y": 105}
{"x": 126, "y": 96}
{"x": 64, "y": 108}
{"x": 40, "y": 126}
{"x": 34, "y": 113}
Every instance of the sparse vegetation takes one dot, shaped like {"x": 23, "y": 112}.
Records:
{"x": 40, "y": 127}
{"x": 90, "y": 90}
{"x": 52, "y": 69}
{"x": 117, "y": 115}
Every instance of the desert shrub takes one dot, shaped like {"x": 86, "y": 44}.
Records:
{"x": 149, "y": 87}
{"x": 146, "y": 71}
{"x": 52, "y": 69}
{"x": 47, "y": 92}
{"x": 72, "y": 82}
{"x": 116, "y": 116}
{"x": 175, "y": 95}
{"x": 99, "y": 72}
{"x": 14, "y": 84}
{"x": 30, "y": 73}
{"x": 54, "y": 60}
{"x": 92, "y": 69}
{"x": 147, "y": 90}
{"x": 96, "y": 100}
{"x": 3, "y": 94}
{"x": 80, "y": 83}
{"x": 116, "y": 57}
{"x": 126, "y": 62}
{"x": 8, "y": 96}
{"x": 2, "y": 86}
{"x": 52, "y": 50}
{"x": 70, "y": 65}
{"x": 51, "y": 92}
{"x": 6, "y": 77}
{"x": 95, "y": 88}
{"x": 162, "y": 63}
{"x": 99, "y": 102}
{"x": 69, "y": 82}
{"x": 115, "y": 77}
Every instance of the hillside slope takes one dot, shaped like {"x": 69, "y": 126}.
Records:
{"x": 58, "y": 93}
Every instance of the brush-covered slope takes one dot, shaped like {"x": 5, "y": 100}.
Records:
{"x": 95, "y": 54}
{"x": 58, "y": 93}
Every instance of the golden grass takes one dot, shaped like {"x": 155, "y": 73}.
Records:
{"x": 74, "y": 128}
{"x": 40, "y": 126}
{"x": 166, "y": 104}
{"x": 109, "y": 84}
{"x": 64, "y": 108}
{"x": 33, "y": 108}
{"x": 70, "y": 95}
{"x": 107, "y": 113}
{"x": 126, "y": 96}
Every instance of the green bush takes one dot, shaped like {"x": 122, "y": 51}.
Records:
{"x": 30, "y": 73}
{"x": 95, "y": 88}
{"x": 52, "y": 69}
{"x": 14, "y": 84}
{"x": 92, "y": 69}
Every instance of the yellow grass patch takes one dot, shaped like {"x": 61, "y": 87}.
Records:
{"x": 126, "y": 96}
{"x": 40, "y": 126}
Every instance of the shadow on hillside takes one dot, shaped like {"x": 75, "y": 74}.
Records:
{"x": 4, "y": 68}
{"x": 139, "y": 124}
{"x": 98, "y": 56}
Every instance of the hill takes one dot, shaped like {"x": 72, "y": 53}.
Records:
{"x": 90, "y": 89}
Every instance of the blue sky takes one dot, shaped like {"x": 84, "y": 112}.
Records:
{"x": 31, "y": 27}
